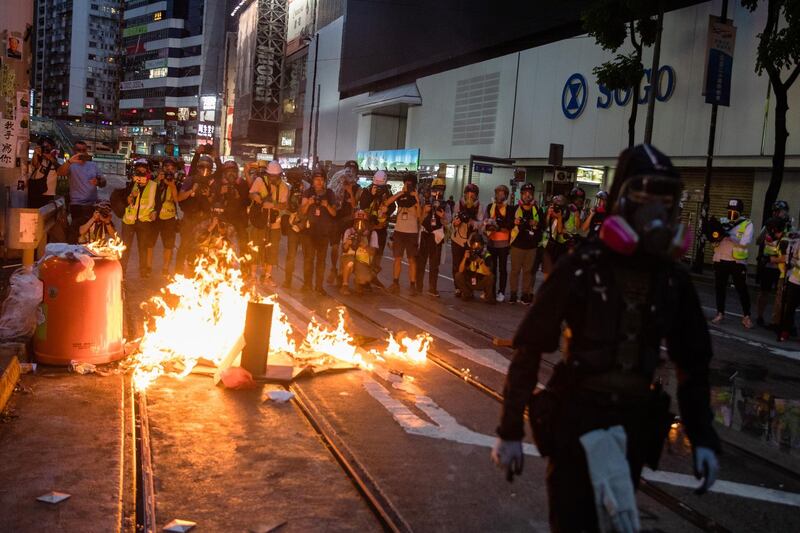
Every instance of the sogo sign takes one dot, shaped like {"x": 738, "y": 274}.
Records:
{"x": 576, "y": 92}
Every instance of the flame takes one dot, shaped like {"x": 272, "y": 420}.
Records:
{"x": 413, "y": 350}
{"x": 111, "y": 247}
{"x": 201, "y": 317}
{"x": 333, "y": 343}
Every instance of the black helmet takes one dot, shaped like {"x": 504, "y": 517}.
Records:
{"x": 471, "y": 187}
{"x": 781, "y": 205}
{"x": 527, "y": 186}
{"x": 476, "y": 241}
{"x": 169, "y": 161}
{"x": 141, "y": 162}
{"x": 736, "y": 204}
{"x": 577, "y": 194}
{"x": 642, "y": 163}
{"x": 410, "y": 176}
{"x": 601, "y": 195}
{"x": 559, "y": 200}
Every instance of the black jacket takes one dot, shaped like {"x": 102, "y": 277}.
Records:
{"x": 583, "y": 292}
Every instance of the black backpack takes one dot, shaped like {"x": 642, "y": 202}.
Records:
{"x": 119, "y": 199}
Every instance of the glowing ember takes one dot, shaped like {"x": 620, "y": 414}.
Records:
{"x": 200, "y": 317}
{"x": 112, "y": 247}
{"x": 334, "y": 343}
{"x": 413, "y": 350}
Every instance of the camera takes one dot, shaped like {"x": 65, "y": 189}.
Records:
{"x": 718, "y": 229}
{"x": 464, "y": 217}
{"x": 169, "y": 176}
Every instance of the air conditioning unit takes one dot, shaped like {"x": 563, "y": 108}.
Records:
{"x": 559, "y": 175}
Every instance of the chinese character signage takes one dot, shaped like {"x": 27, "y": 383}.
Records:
{"x": 8, "y": 143}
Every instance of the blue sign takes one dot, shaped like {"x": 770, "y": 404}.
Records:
{"x": 718, "y": 79}
{"x": 574, "y": 96}
{"x": 483, "y": 168}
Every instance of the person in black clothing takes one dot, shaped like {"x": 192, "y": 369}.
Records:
{"x": 43, "y": 179}
{"x": 597, "y": 214}
{"x": 234, "y": 192}
{"x": 431, "y": 237}
{"x": 294, "y": 222}
{"x": 195, "y": 203}
{"x": 498, "y": 224}
{"x": 475, "y": 270}
{"x": 318, "y": 209}
{"x": 618, "y": 297}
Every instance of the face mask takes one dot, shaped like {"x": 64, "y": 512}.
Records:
{"x": 205, "y": 171}
{"x": 359, "y": 225}
{"x": 500, "y": 197}
{"x": 140, "y": 179}
{"x": 469, "y": 201}
{"x": 733, "y": 215}
{"x": 527, "y": 199}
{"x": 652, "y": 235}
{"x": 601, "y": 207}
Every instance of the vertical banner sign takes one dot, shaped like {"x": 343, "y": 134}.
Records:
{"x": 8, "y": 143}
{"x": 719, "y": 61}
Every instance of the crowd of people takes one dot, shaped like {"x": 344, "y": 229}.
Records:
{"x": 343, "y": 228}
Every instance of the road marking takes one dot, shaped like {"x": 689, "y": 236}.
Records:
{"x": 387, "y": 258}
{"x": 790, "y": 354}
{"x": 486, "y": 357}
{"x": 445, "y": 426}
{"x": 725, "y": 487}
{"x": 405, "y": 316}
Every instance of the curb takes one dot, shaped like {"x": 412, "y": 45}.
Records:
{"x": 9, "y": 362}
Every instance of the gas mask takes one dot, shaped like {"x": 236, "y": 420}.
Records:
{"x": 733, "y": 215}
{"x": 469, "y": 199}
{"x": 360, "y": 225}
{"x": 204, "y": 170}
{"x": 500, "y": 197}
{"x": 601, "y": 206}
{"x": 645, "y": 219}
{"x": 527, "y": 198}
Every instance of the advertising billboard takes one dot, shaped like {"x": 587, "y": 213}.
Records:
{"x": 399, "y": 160}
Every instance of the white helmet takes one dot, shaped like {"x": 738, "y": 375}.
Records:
{"x": 274, "y": 168}
{"x": 379, "y": 178}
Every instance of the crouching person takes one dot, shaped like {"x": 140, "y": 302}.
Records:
{"x": 359, "y": 245}
{"x": 475, "y": 271}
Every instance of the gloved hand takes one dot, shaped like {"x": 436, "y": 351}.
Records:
{"x": 706, "y": 467}
{"x": 507, "y": 454}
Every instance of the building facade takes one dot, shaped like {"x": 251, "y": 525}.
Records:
{"x": 516, "y": 105}
{"x": 173, "y": 64}
{"x": 76, "y": 62}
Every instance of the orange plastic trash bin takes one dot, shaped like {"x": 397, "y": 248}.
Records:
{"x": 83, "y": 319}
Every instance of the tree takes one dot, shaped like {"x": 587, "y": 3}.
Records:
{"x": 612, "y": 23}
{"x": 778, "y": 54}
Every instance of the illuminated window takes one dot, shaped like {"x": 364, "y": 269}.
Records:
{"x": 160, "y": 72}
{"x": 158, "y": 15}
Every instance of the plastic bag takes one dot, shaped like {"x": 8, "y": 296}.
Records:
{"x": 20, "y": 313}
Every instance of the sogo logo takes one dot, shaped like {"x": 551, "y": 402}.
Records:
{"x": 575, "y": 92}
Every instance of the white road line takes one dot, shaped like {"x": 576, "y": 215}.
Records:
{"x": 789, "y": 354}
{"x": 405, "y": 316}
{"x": 387, "y": 258}
{"x": 725, "y": 487}
{"x": 486, "y": 357}
{"x": 445, "y": 426}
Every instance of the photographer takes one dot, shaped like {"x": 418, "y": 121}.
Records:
{"x": 84, "y": 179}
{"x": 434, "y": 219}
{"x": 319, "y": 213}
{"x": 139, "y": 217}
{"x": 347, "y": 193}
{"x": 525, "y": 238}
{"x": 406, "y": 232}
{"x": 498, "y": 224}
{"x": 373, "y": 201}
{"x": 557, "y": 237}
{"x": 293, "y": 224}
{"x": 730, "y": 260}
{"x": 467, "y": 219}
{"x": 167, "y": 209}
{"x": 772, "y": 245}
{"x": 44, "y": 176}
{"x": 359, "y": 244}
{"x": 235, "y": 193}
{"x": 100, "y": 227}
{"x": 573, "y": 225}
{"x": 791, "y": 290}
{"x": 591, "y": 226}
{"x": 195, "y": 203}
{"x": 270, "y": 196}
{"x": 475, "y": 271}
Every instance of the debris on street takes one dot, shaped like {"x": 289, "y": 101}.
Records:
{"x": 53, "y": 497}
{"x": 179, "y": 526}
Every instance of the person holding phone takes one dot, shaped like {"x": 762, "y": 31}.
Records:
{"x": 84, "y": 179}
{"x": 44, "y": 177}
{"x": 405, "y": 239}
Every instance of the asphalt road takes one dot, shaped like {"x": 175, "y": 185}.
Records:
{"x": 424, "y": 444}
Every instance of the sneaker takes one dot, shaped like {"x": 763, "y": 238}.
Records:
{"x": 760, "y": 321}
{"x": 783, "y": 337}
{"x": 527, "y": 299}
{"x": 512, "y": 298}
{"x": 717, "y": 319}
{"x": 500, "y": 297}
{"x": 333, "y": 277}
{"x": 747, "y": 323}
{"x": 394, "y": 288}
{"x": 433, "y": 292}
{"x": 344, "y": 290}
{"x": 457, "y": 293}
{"x": 487, "y": 298}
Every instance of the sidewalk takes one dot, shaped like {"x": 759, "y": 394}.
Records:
{"x": 66, "y": 432}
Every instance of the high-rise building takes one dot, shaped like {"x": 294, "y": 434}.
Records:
{"x": 76, "y": 62}
{"x": 172, "y": 78}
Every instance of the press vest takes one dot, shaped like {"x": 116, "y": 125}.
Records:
{"x": 740, "y": 252}
{"x": 501, "y": 234}
{"x": 145, "y": 203}
{"x": 168, "y": 208}
{"x": 520, "y": 213}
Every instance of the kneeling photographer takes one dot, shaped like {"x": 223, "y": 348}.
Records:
{"x": 359, "y": 245}
{"x": 475, "y": 271}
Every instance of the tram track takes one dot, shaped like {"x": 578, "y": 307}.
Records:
{"x": 674, "y": 504}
